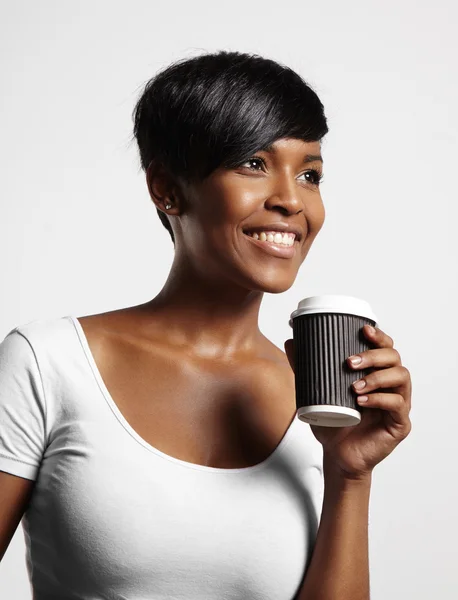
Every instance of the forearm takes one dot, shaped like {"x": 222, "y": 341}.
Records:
{"x": 339, "y": 568}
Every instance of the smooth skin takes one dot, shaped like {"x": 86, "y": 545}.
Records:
{"x": 217, "y": 272}
{"x": 209, "y": 310}
{"x": 15, "y": 493}
{"x": 206, "y": 318}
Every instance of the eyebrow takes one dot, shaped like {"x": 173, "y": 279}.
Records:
{"x": 308, "y": 158}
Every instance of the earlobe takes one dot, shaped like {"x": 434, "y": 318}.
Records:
{"x": 159, "y": 186}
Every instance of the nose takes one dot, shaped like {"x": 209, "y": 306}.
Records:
{"x": 285, "y": 195}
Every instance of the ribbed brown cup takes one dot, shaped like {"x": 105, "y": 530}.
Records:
{"x": 322, "y": 343}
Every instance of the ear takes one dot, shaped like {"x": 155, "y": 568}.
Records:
{"x": 289, "y": 349}
{"x": 160, "y": 187}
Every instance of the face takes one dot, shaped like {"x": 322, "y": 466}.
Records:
{"x": 279, "y": 185}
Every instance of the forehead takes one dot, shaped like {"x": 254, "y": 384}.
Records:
{"x": 292, "y": 146}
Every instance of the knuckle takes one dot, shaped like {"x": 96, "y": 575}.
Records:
{"x": 373, "y": 379}
{"x": 397, "y": 355}
{"x": 390, "y": 341}
{"x": 408, "y": 427}
{"x": 405, "y": 372}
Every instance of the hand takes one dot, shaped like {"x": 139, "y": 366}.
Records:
{"x": 354, "y": 451}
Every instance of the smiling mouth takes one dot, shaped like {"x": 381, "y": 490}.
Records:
{"x": 274, "y": 249}
{"x": 287, "y": 238}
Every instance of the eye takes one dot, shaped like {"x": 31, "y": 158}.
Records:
{"x": 315, "y": 176}
{"x": 253, "y": 159}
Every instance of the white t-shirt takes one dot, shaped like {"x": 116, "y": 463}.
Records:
{"x": 113, "y": 518}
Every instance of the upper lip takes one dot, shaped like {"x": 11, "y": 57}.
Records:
{"x": 276, "y": 227}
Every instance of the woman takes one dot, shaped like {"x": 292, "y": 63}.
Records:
{"x": 154, "y": 451}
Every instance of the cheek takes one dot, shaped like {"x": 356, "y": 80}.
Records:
{"x": 323, "y": 213}
{"x": 233, "y": 199}
{"x": 316, "y": 218}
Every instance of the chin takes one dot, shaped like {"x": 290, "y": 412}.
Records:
{"x": 274, "y": 284}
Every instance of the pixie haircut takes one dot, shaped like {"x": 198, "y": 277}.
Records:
{"x": 217, "y": 109}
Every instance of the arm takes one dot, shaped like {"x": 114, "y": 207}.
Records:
{"x": 339, "y": 568}
{"x": 15, "y": 493}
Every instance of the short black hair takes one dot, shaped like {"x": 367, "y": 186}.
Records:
{"x": 217, "y": 109}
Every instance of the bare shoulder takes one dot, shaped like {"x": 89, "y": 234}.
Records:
{"x": 122, "y": 322}
{"x": 126, "y": 330}
{"x": 275, "y": 352}
{"x": 279, "y": 362}
{"x": 107, "y": 331}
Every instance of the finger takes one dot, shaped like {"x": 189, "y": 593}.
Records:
{"x": 379, "y": 337}
{"x": 385, "y": 378}
{"x": 380, "y": 357}
{"x": 392, "y": 403}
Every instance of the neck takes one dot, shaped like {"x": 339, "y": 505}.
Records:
{"x": 215, "y": 317}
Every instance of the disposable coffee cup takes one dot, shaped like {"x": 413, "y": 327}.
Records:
{"x": 327, "y": 330}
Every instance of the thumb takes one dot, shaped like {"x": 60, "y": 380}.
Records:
{"x": 289, "y": 349}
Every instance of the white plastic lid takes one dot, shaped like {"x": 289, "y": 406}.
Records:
{"x": 327, "y": 415}
{"x": 333, "y": 303}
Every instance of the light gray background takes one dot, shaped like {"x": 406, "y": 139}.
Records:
{"x": 79, "y": 234}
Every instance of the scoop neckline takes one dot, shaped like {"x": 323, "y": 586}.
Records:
{"x": 138, "y": 438}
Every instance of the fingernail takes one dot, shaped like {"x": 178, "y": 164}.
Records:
{"x": 371, "y": 329}
{"x": 362, "y": 398}
{"x": 355, "y": 360}
{"x": 358, "y": 385}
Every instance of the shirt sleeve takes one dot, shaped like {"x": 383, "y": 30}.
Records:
{"x": 22, "y": 408}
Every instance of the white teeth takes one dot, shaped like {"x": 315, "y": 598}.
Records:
{"x": 286, "y": 239}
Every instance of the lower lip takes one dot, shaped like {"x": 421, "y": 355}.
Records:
{"x": 274, "y": 249}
